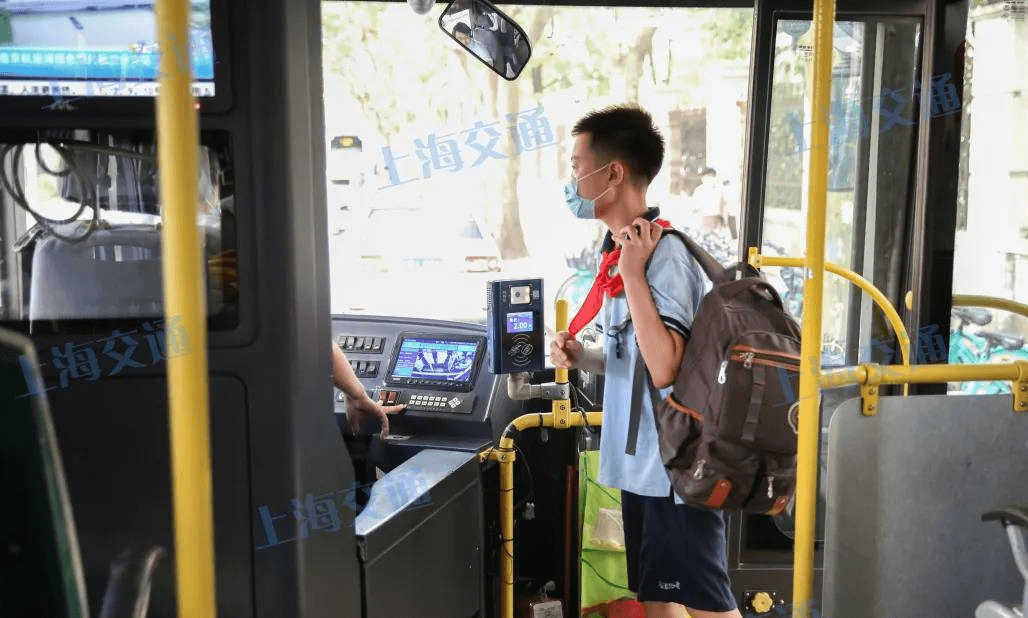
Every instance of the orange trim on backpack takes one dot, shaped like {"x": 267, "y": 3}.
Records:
{"x": 684, "y": 410}
{"x": 721, "y": 492}
{"x": 779, "y": 505}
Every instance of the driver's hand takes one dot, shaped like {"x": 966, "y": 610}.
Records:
{"x": 358, "y": 410}
{"x": 565, "y": 351}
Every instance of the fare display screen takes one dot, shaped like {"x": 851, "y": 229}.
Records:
{"x": 441, "y": 360}
{"x": 96, "y": 48}
{"x": 520, "y": 322}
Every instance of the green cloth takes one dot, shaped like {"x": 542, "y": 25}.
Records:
{"x": 603, "y": 568}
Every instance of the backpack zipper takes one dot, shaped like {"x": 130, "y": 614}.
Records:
{"x": 770, "y": 487}
{"x": 721, "y": 373}
{"x": 699, "y": 469}
{"x": 749, "y": 358}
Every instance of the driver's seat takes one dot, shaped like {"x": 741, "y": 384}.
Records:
{"x": 40, "y": 565}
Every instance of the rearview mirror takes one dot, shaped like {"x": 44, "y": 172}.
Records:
{"x": 492, "y": 37}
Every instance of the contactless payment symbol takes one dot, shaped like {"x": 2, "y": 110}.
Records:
{"x": 521, "y": 352}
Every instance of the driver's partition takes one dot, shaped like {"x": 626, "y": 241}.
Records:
{"x": 906, "y": 491}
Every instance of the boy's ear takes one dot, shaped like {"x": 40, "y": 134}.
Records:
{"x": 618, "y": 172}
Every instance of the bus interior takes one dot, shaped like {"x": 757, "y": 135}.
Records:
{"x": 366, "y": 172}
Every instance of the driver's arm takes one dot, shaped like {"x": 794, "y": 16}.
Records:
{"x": 358, "y": 405}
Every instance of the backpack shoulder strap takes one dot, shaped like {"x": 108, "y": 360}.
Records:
{"x": 640, "y": 384}
{"x": 636, "y": 408}
{"x": 711, "y": 267}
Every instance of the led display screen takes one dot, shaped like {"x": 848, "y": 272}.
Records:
{"x": 96, "y": 48}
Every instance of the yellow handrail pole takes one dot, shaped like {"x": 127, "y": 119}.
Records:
{"x": 973, "y": 300}
{"x": 561, "y": 407}
{"x": 810, "y": 355}
{"x": 758, "y": 261}
{"x": 1015, "y": 372}
{"x": 926, "y": 374}
{"x": 184, "y": 302}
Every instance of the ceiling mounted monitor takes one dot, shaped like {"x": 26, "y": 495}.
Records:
{"x": 95, "y": 48}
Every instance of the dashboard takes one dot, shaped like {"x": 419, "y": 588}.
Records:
{"x": 436, "y": 368}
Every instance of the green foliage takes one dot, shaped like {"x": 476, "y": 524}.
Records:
{"x": 729, "y": 34}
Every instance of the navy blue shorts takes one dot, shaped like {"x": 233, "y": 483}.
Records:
{"x": 676, "y": 553}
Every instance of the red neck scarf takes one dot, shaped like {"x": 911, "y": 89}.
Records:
{"x": 605, "y": 283}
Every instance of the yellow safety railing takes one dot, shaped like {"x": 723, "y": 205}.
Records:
{"x": 560, "y": 417}
{"x": 810, "y": 343}
{"x": 972, "y": 300}
{"x": 758, "y": 261}
{"x": 184, "y": 308}
{"x": 871, "y": 375}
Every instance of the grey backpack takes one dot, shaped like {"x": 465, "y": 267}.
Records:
{"x": 727, "y": 431}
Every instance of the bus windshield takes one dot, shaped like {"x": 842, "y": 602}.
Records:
{"x": 443, "y": 176}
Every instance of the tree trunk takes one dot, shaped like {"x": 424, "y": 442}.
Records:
{"x": 643, "y": 47}
{"x": 512, "y": 236}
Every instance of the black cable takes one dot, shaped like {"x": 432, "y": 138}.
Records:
{"x": 10, "y": 178}
{"x": 576, "y": 406}
{"x": 42, "y": 164}
{"x": 528, "y": 469}
{"x": 101, "y": 149}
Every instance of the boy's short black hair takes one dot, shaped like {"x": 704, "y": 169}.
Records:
{"x": 462, "y": 27}
{"x": 628, "y": 134}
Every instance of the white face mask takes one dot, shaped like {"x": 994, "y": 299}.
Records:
{"x": 578, "y": 205}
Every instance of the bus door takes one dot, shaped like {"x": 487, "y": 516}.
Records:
{"x": 875, "y": 205}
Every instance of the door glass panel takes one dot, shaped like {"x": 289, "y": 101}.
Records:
{"x": 872, "y": 130}
{"x": 872, "y": 121}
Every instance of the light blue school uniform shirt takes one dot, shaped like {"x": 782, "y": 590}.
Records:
{"x": 677, "y": 284}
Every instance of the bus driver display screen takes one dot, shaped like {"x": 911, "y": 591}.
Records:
{"x": 430, "y": 360}
{"x": 96, "y": 48}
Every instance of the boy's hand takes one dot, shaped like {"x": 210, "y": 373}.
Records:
{"x": 565, "y": 351}
{"x": 637, "y": 243}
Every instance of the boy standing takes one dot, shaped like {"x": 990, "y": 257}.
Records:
{"x": 676, "y": 554}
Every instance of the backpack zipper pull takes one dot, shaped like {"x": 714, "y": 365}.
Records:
{"x": 748, "y": 360}
{"x": 699, "y": 469}
{"x": 721, "y": 373}
{"x": 770, "y": 487}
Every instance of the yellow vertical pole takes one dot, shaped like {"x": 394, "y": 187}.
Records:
{"x": 810, "y": 357}
{"x": 185, "y": 311}
{"x": 507, "y": 532}
{"x": 561, "y": 408}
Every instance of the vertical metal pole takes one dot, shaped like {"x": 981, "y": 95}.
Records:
{"x": 810, "y": 361}
{"x": 185, "y": 316}
{"x": 561, "y": 408}
{"x": 507, "y": 532}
